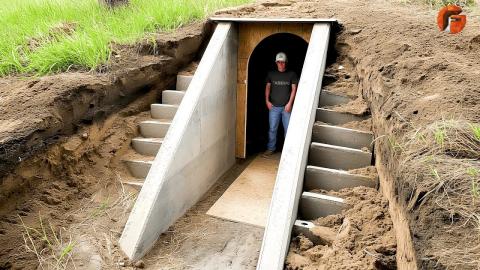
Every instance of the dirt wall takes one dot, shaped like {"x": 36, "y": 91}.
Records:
{"x": 37, "y": 112}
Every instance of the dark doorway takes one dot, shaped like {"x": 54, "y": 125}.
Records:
{"x": 260, "y": 63}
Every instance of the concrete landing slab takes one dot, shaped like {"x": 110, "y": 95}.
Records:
{"x": 342, "y": 136}
{"x": 314, "y": 205}
{"x": 338, "y": 157}
{"x": 336, "y": 118}
{"x": 163, "y": 111}
{"x": 247, "y": 200}
{"x": 331, "y": 179}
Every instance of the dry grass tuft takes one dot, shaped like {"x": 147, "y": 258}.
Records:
{"x": 52, "y": 248}
{"x": 440, "y": 163}
{"x": 456, "y": 138}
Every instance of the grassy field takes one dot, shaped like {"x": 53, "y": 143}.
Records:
{"x": 48, "y": 36}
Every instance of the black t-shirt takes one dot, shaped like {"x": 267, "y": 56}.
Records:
{"x": 281, "y": 86}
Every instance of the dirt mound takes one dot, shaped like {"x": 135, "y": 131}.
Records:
{"x": 361, "y": 237}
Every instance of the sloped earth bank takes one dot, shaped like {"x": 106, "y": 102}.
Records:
{"x": 62, "y": 138}
{"x": 420, "y": 84}
{"x": 411, "y": 76}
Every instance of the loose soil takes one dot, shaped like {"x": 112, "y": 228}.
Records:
{"x": 409, "y": 74}
{"x": 361, "y": 237}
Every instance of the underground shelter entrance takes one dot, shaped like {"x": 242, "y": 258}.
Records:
{"x": 261, "y": 61}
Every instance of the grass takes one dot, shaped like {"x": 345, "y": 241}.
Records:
{"x": 50, "y": 248}
{"x": 440, "y": 165}
{"x": 48, "y": 36}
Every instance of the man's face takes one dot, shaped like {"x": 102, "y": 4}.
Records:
{"x": 281, "y": 65}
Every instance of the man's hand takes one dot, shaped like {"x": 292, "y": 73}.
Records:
{"x": 288, "y": 107}
{"x": 269, "y": 105}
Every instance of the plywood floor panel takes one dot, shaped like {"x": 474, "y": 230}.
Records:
{"x": 247, "y": 200}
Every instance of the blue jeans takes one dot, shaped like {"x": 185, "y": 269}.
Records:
{"x": 274, "y": 116}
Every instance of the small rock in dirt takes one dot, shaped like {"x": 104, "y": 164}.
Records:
{"x": 6, "y": 265}
{"x": 56, "y": 186}
{"x": 276, "y": 4}
{"x": 355, "y": 31}
{"x": 11, "y": 219}
{"x": 85, "y": 136}
{"x": 24, "y": 208}
{"x": 50, "y": 200}
{"x": 139, "y": 264}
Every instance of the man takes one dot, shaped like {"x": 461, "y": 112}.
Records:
{"x": 279, "y": 95}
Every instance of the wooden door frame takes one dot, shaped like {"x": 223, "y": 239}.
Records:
{"x": 250, "y": 35}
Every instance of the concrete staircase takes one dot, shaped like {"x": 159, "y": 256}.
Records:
{"x": 153, "y": 131}
{"x": 333, "y": 152}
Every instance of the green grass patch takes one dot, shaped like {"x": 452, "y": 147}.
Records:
{"x": 48, "y": 36}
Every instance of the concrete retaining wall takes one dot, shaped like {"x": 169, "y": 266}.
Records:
{"x": 197, "y": 149}
{"x": 288, "y": 184}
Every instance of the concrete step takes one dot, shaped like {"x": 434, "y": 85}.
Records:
{"x": 163, "y": 111}
{"x": 328, "y": 98}
{"x": 341, "y": 136}
{"x": 154, "y": 128}
{"x": 172, "y": 97}
{"x": 331, "y": 179}
{"x": 136, "y": 183}
{"x": 337, "y": 157}
{"x": 183, "y": 81}
{"x": 336, "y": 118}
{"x": 147, "y": 146}
{"x": 138, "y": 168}
{"x": 314, "y": 205}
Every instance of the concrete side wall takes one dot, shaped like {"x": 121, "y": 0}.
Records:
{"x": 198, "y": 148}
{"x": 288, "y": 185}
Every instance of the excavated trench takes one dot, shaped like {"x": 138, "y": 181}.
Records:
{"x": 61, "y": 172}
{"x": 76, "y": 174}
{"x": 61, "y": 146}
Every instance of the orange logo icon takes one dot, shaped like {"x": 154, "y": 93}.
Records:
{"x": 450, "y": 20}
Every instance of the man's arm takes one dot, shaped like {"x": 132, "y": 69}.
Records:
{"x": 267, "y": 95}
{"x": 289, "y": 106}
